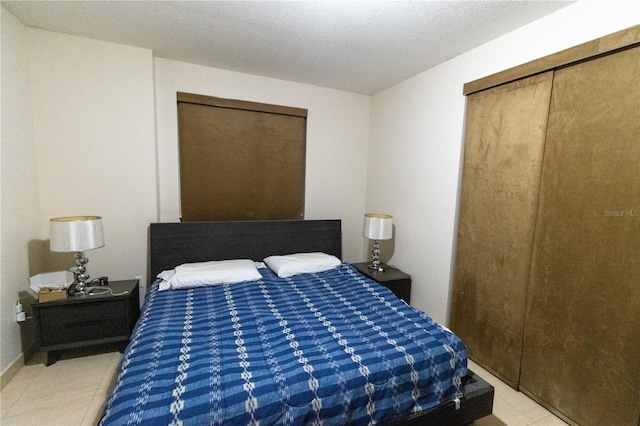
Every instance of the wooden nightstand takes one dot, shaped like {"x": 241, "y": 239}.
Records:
{"x": 87, "y": 320}
{"x": 392, "y": 278}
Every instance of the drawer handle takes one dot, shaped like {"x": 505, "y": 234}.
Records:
{"x": 82, "y": 323}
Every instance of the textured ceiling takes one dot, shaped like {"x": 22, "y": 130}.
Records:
{"x": 361, "y": 47}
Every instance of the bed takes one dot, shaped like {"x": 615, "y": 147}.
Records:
{"x": 329, "y": 347}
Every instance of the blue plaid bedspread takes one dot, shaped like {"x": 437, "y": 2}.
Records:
{"x": 331, "y": 348}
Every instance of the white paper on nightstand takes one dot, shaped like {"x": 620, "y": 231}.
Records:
{"x": 54, "y": 280}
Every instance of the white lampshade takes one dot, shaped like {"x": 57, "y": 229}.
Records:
{"x": 76, "y": 233}
{"x": 377, "y": 226}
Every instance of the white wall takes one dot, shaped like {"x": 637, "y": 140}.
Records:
{"x": 93, "y": 114}
{"x": 20, "y": 210}
{"x": 337, "y": 140}
{"x": 417, "y": 132}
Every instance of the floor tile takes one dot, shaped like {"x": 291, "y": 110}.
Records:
{"x": 551, "y": 420}
{"x": 509, "y": 414}
{"x": 513, "y": 408}
{"x": 489, "y": 421}
{"x": 55, "y": 410}
{"x": 95, "y": 408}
{"x": 531, "y": 409}
{"x": 66, "y": 392}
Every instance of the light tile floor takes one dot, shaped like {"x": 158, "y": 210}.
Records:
{"x": 70, "y": 392}
{"x": 511, "y": 407}
{"x": 73, "y": 391}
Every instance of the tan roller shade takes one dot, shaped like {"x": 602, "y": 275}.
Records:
{"x": 240, "y": 160}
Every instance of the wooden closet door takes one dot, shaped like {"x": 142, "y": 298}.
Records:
{"x": 581, "y": 351}
{"x": 504, "y": 145}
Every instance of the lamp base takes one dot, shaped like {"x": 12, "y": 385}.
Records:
{"x": 377, "y": 268}
{"x": 81, "y": 287}
{"x": 78, "y": 291}
{"x": 375, "y": 265}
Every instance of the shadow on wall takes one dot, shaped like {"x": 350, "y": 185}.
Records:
{"x": 387, "y": 248}
{"x": 27, "y": 336}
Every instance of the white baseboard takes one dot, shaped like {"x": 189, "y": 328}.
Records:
{"x": 11, "y": 370}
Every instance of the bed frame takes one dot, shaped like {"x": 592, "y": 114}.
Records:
{"x": 172, "y": 244}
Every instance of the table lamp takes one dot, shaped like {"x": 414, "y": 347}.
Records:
{"x": 76, "y": 234}
{"x": 377, "y": 227}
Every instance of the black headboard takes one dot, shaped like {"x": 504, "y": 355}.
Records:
{"x": 172, "y": 244}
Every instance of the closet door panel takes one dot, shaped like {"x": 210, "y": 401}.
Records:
{"x": 504, "y": 144}
{"x": 581, "y": 351}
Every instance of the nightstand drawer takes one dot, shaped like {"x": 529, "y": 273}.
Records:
{"x": 72, "y": 323}
{"x": 83, "y": 331}
{"x": 83, "y": 312}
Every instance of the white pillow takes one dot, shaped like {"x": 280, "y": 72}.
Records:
{"x": 301, "y": 263}
{"x": 201, "y": 274}
{"x": 165, "y": 276}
